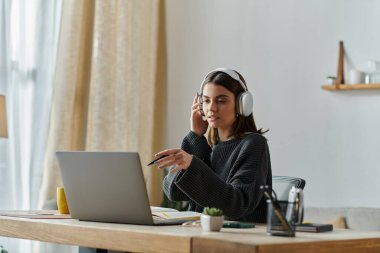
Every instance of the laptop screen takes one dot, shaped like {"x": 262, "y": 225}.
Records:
{"x": 105, "y": 186}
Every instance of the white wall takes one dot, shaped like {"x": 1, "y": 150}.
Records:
{"x": 285, "y": 49}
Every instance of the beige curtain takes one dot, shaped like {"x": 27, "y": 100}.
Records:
{"x": 109, "y": 87}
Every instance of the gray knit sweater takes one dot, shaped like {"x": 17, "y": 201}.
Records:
{"x": 228, "y": 176}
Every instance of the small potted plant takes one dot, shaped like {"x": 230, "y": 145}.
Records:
{"x": 212, "y": 219}
{"x": 2, "y": 250}
{"x": 331, "y": 79}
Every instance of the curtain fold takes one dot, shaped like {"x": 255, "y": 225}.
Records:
{"x": 26, "y": 71}
{"x": 28, "y": 46}
{"x": 109, "y": 85}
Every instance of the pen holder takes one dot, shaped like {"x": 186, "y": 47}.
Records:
{"x": 280, "y": 226}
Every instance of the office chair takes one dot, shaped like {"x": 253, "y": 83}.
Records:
{"x": 282, "y": 184}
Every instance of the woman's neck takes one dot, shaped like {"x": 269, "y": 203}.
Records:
{"x": 225, "y": 135}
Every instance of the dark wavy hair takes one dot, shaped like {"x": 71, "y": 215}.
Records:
{"x": 242, "y": 124}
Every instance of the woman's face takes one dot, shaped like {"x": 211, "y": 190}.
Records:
{"x": 219, "y": 106}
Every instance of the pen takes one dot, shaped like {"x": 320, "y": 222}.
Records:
{"x": 155, "y": 160}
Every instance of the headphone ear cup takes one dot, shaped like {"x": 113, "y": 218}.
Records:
{"x": 244, "y": 103}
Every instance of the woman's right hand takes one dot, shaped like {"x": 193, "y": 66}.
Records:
{"x": 197, "y": 124}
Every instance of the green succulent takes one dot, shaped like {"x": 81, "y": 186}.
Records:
{"x": 2, "y": 250}
{"x": 212, "y": 211}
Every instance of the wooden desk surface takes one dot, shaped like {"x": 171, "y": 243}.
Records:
{"x": 136, "y": 238}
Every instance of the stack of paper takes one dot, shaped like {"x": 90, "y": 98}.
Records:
{"x": 173, "y": 214}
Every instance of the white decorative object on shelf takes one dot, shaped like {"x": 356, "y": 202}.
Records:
{"x": 373, "y": 75}
{"x": 355, "y": 77}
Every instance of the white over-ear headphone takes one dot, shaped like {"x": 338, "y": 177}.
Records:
{"x": 244, "y": 100}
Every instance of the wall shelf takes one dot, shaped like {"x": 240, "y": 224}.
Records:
{"x": 359, "y": 86}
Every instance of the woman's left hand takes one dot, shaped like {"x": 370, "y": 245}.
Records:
{"x": 178, "y": 158}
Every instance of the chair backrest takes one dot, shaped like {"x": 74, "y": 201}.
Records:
{"x": 282, "y": 184}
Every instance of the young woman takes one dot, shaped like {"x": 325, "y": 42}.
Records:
{"x": 227, "y": 169}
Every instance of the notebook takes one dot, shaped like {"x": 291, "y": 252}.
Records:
{"x": 107, "y": 187}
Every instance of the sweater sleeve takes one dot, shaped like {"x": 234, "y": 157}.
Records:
{"x": 196, "y": 146}
{"x": 240, "y": 194}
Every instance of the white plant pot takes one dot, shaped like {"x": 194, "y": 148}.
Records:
{"x": 211, "y": 223}
{"x": 330, "y": 81}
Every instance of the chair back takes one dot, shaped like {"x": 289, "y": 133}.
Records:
{"x": 282, "y": 185}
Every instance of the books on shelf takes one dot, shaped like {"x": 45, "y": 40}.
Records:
{"x": 173, "y": 214}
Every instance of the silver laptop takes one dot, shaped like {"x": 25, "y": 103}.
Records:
{"x": 106, "y": 187}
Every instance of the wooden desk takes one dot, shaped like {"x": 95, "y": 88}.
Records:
{"x": 184, "y": 239}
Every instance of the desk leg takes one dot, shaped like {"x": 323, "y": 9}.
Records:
{"x": 91, "y": 250}
{"x": 108, "y": 251}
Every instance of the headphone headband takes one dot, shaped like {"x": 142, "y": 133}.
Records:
{"x": 232, "y": 73}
